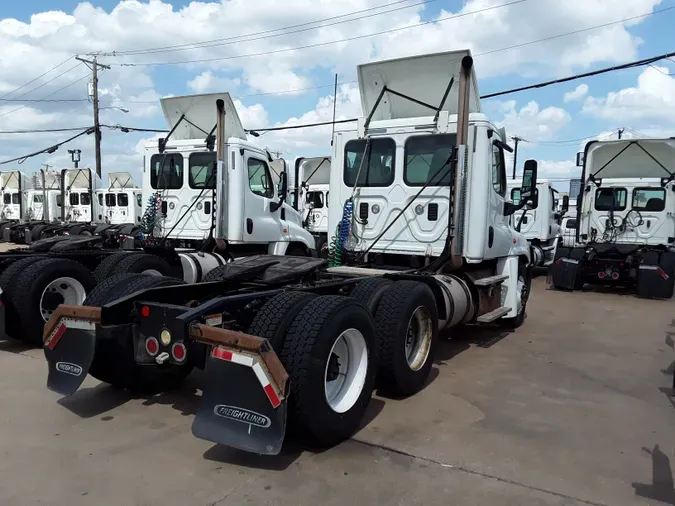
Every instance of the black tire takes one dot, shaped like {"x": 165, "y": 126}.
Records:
{"x": 305, "y": 355}
{"x": 215, "y": 274}
{"x": 141, "y": 262}
{"x": 369, "y": 292}
{"x": 296, "y": 250}
{"x": 275, "y": 317}
{"x": 517, "y": 321}
{"x": 393, "y": 318}
{"x": 7, "y": 280}
{"x": 107, "y": 266}
{"x": 27, "y": 292}
{"x": 107, "y": 289}
{"x": 114, "y": 361}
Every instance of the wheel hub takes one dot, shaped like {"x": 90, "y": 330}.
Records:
{"x": 65, "y": 290}
{"x": 418, "y": 338}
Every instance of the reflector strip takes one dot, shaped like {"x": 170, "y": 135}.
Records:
{"x": 221, "y": 353}
{"x": 662, "y": 273}
{"x": 267, "y": 386}
{"x": 237, "y": 358}
{"x": 53, "y": 340}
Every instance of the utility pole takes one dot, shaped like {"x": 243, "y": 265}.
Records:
{"x": 94, "y": 65}
{"x": 620, "y": 132}
{"x": 516, "y": 139}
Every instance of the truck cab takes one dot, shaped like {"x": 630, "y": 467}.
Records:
{"x": 236, "y": 197}
{"x": 393, "y": 176}
{"x": 312, "y": 194}
{"x": 625, "y": 227}
{"x": 77, "y": 204}
{"x": 539, "y": 221}
{"x": 122, "y": 202}
{"x": 13, "y": 187}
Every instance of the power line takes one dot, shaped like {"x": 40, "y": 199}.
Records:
{"x": 245, "y": 37}
{"x": 424, "y": 23}
{"x": 38, "y": 77}
{"x": 31, "y": 100}
{"x": 638, "y": 63}
{"x": 49, "y": 150}
{"x": 42, "y": 130}
{"x": 52, "y": 93}
{"x": 47, "y": 82}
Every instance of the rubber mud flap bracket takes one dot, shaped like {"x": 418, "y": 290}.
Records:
{"x": 69, "y": 345}
{"x": 238, "y": 405}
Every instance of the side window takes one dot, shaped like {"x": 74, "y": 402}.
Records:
{"x": 166, "y": 171}
{"x": 37, "y": 199}
{"x": 378, "y": 164}
{"x": 427, "y": 157}
{"x": 123, "y": 199}
{"x": 110, "y": 200}
{"x": 202, "y": 170}
{"x": 59, "y": 200}
{"x": 7, "y": 198}
{"x": 100, "y": 199}
{"x": 327, "y": 193}
{"x": 610, "y": 199}
{"x": 139, "y": 200}
{"x": 16, "y": 198}
{"x": 74, "y": 199}
{"x": 85, "y": 199}
{"x": 498, "y": 171}
{"x": 649, "y": 199}
{"x": 259, "y": 179}
{"x": 315, "y": 198}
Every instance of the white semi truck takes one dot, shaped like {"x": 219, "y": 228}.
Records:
{"x": 539, "y": 221}
{"x": 625, "y": 231}
{"x": 286, "y": 340}
{"x": 311, "y": 194}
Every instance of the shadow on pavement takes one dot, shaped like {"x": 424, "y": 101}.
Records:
{"x": 661, "y": 488}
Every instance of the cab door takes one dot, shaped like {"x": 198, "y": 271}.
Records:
{"x": 261, "y": 225}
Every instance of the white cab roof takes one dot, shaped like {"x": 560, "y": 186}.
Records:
{"x": 121, "y": 180}
{"x": 423, "y": 78}
{"x": 200, "y": 110}
{"x": 636, "y": 161}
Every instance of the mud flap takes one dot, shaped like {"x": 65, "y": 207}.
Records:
{"x": 69, "y": 346}
{"x": 245, "y": 390}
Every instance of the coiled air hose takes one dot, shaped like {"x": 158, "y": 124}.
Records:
{"x": 339, "y": 240}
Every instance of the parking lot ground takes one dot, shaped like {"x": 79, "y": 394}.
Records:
{"x": 573, "y": 408}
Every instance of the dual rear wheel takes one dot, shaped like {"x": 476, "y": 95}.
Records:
{"x": 338, "y": 349}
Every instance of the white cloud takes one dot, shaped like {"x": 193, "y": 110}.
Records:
{"x": 207, "y": 82}
{"x": 31, "y": 48}
{"x": 650, "y": 103}
{"x": 576, "y": 94}
{"x": 532, "y": 123}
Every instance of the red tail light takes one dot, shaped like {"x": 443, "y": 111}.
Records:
{"x": 615, "y": 276}
{"x": 179, "y": 352}
{"x": 602, "y": 275}
{"x": 151, "y": 346}
{"x": 145, "y": 311}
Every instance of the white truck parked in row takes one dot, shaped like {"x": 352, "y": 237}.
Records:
{"x": 286, "y": 340}
{"x": 625, "y": 226}
{"x": 190, "y": 202}
{"x": 310, "y": 193}
{"x": 539, "y": 221}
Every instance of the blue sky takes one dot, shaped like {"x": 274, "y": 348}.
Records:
{"x": 640, "y": 99}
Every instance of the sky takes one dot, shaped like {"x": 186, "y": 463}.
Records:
{"x": 279, "y": 60}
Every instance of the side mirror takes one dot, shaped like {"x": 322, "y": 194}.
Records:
{"x": 529, "y": 183}
{"x": 283, "y": 181}
{"x": 565, "y": 204}
{"x": 580, "y": 159}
